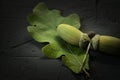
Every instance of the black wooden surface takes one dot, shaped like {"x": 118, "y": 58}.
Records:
{"x": 21, "y": 57}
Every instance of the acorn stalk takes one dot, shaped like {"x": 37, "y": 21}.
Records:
{"x": 72, "y": 35}
{"x": 106, "y": 44}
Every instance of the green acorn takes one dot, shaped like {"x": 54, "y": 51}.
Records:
{"x": 72, "y": 35}
{"x": 109, "y": 44}
{"x": 106, "y": 44}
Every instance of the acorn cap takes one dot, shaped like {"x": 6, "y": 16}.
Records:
{"x": 95, "y": 41}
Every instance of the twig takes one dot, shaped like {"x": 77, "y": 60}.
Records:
{"x": 84, "y": 59}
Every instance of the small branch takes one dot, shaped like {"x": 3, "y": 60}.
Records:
{"x": 84, "y": 60}
{"x": 87, "y": 73}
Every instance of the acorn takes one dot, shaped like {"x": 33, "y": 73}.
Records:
{"x": 103, "y": 43}
{"x": 72, "y": 35}
{"x": 106, "y": 44}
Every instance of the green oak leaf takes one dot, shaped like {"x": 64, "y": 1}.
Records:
{"x": 43, "y": 24}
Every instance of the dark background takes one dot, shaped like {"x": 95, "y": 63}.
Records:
{"x": 21, "y": 57}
